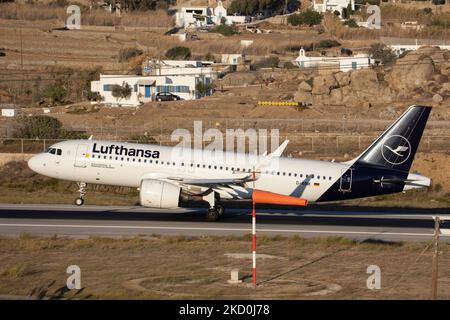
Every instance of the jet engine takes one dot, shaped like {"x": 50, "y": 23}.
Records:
{"x": 159, "y": 194}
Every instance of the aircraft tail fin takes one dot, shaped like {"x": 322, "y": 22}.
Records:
{"x": 396, "y": 147}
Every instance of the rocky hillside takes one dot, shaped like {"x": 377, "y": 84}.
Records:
{"x": 418, "y": 77}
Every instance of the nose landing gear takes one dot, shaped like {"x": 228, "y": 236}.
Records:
{"x": 82, "y": 190}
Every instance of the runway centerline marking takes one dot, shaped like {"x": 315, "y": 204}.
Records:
{"x": 213, "y": 229}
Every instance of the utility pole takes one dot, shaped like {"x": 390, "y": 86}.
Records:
{"x": 434, "y": 277}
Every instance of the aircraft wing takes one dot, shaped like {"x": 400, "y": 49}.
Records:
{"x": 212, "y": 182}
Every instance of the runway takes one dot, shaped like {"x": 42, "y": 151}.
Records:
{"x": 112, "y": 221}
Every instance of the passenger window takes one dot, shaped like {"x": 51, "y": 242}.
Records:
{"x": 58, "y": 152}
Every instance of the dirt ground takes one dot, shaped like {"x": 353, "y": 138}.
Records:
{"x": 198, "y": 268}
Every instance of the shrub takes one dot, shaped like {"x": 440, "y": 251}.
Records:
{"x": 270, "y": 62}
{"x": 225, "y": 30}
{"x": 126, "y": 54}
{"x": 351, "y": 23}
{"x": 380, "y": 51}
{"x": 55, "y": 93}
{"x": 427, "y": 10}
{"x": 43, "y": 127}
{"x": 327, "y": 43}
{"x": 253, "y": 7}
{"x": 209, "y": 57}
{"x": 121, "y": 91}
{"x": 308, "y": 17}
{"x": 203, "y": 88}
{"x": 178, "y": 53}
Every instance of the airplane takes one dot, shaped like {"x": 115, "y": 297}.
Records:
{"x": 166, "y": 177}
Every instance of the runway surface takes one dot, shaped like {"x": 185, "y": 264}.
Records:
{"x": 111, "y": 221}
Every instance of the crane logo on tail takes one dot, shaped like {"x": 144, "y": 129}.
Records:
{"x": 396, "y": 149}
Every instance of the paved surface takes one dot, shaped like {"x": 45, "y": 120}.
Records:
{"x": 112, "y": 221}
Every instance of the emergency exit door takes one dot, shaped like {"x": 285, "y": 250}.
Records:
{"x": 81, "y": 155}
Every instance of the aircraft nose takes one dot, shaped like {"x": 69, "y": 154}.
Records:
{"x": 35, "y": 163}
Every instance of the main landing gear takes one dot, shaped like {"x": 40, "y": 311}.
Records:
{"x": 82, "y": 190}
{"x": 216, "y": 209}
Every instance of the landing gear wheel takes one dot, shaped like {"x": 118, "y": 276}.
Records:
{"x": 79, "y": 201}
{"x": 220, "y": 209}
{"x": 212, "y": 215}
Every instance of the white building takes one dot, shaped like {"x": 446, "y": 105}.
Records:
{"x": 345, "y": 64}
{"x": 145, "y": 88}
{"x": 323, "y": 6}
{"x": 232, "y": 59}
{"x": 198, "y": 68}
{"x": 204, "y": 16}
{"x": 399, "y": 49}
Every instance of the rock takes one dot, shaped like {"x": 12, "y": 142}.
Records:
{"x": 342, "y": 78}
{"x": 238, "y": 79}
{"x": 440, "y": 78}
{"x": 410, "y": 75}
{"x": 303, "y": 96}
{"x": 445, "y": 69}
{"x": 323, "y": 84}
{"x": 305, "y": 86}
{"x": 335, "y": 97}
{"x": 364, "y": 80}
{"x": 446, "y": 86}
{"x": 437, "y": 98}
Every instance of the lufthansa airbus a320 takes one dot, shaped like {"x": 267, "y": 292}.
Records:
{"x": 167, "y": 177}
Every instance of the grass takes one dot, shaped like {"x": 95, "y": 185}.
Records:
{"x": 176, "y": 267}
{"x": 15, "y": 271}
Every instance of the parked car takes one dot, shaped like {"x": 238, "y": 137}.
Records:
{"x": 167, "y": 96}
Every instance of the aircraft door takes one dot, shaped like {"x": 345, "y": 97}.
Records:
{"x": 346, "y": 180}
{"x": 81, "y": 155}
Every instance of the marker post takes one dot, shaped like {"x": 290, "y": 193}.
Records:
{"x": 254, "y": 233}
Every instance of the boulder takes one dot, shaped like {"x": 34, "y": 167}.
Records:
{"x": 437, "y": 98}
{"x": 323, "y": 84}
{"x": 303, "y": 96}
{"x": 342, "y": 78}
{"x": 406, "y": 76}
{"x": 445, "y": 69}
{"x": 335, "y": 97}
{"x": 364, "y": 80}
{"x": 305, "y": 86}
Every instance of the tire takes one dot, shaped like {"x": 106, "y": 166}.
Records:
{"x": 79, "y": 201}
{"x": 220, "y": 209}
{"x": 212, "y": 215}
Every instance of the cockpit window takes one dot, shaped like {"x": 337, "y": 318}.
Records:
{"x": 55, "y": 151}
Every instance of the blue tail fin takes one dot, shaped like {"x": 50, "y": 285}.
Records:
{"x": 397, "y": 146}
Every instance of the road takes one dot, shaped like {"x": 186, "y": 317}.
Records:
{"x": 111, "y": 221}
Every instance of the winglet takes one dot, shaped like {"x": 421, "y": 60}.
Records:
{"x": 279, "y": 151}
{"x": 90, "y": 138}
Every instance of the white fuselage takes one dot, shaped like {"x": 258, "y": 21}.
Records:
{"x": 84, "y": 161}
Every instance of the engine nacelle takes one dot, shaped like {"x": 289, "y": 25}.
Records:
{"x": 159, "y": 194}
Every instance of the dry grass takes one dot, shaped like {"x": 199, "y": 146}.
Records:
{"x": 31, "y": 12}
{"x": 198, "y": 267}
{"x": 158, "y": 18}
{"x": 96, "y": 17}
